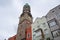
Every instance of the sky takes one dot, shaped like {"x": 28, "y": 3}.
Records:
{"x": 10, "y": 11}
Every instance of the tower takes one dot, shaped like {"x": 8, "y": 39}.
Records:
{"x": 25, "y": 21}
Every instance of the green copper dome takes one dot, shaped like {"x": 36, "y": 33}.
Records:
{"x": 25, "y": 9}
{"x": 26, "y": 5}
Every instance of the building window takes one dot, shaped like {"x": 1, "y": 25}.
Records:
{"x": 33, "y": 29}
{"x": 34, "y": 39}
{"x": 59, "y": 7}
{"x": 44, "y": 24}
{"x": 34, "y": 35}
{"x": 28, "y": 35}
{"x": 45, "y": 29}
{"x": 52, "y": 11}
{"x": 38, "y": 26}
{"x": 19, "y": 34}
{"x": 38, "y": 22}
{"x": 58, "y": 15}
{"x": 52, "y": 22}
{"x": 23, "y": 39}
{"x": 48, "y": 38}
{"x": 56, "y": 33}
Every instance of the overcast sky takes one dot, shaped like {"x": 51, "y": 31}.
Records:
{"x": 10, "y": 11}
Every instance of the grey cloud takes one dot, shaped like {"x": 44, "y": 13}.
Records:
{"x": 4, "y": 3}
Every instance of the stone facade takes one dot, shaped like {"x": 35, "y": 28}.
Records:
{"x": 41, "y": 23}
{"x": 53, "y": 20}
{"x": 25, "y": 21}
{"x": 29, "y": 33}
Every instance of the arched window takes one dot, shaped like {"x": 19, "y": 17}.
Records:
{"x": 28, "y": 35}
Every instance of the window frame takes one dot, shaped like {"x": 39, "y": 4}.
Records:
{"x": 56, "y": 33}
{"x": 52, "y": 20}
{"x": 28, "y": 35}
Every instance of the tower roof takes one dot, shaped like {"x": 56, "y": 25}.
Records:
{"x": 26, "y": 5}
{"x": 24, "y": 9}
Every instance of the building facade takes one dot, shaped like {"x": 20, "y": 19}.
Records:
{"x": 25, "y": 21}
{"x": 40, "y": 29}
{"x": 53, "y": 20}
{"x": 29, "y": 33}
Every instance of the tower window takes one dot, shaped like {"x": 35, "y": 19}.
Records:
{"x": 23, "y": 39}
{"x": 27, "y": 11}
{"x": 19, "y": 34}
{"x": 28, "y": 35}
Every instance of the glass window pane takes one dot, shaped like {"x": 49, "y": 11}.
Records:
{"x": 56, "y": 33}
{"x": 28, "y": 35}
{"x": 52, "y": 23}
{"x": 58, "y": 15}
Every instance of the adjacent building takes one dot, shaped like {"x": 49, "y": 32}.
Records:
{"x": 53, "y": 20}
{"x": 12, "y": 38}
{"x": 40, "y": 29}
